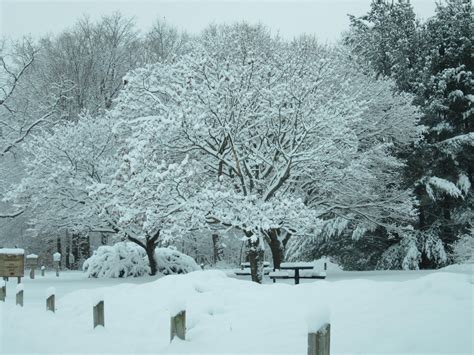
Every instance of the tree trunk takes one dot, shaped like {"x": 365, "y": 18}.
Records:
{"x": 59, "y": 248}
{"x": 68, "y": 265}
{"x": 75, "y": 248}
{"x": 149, "y": 245}
{"x": 277, "y": 246}
{"x": 150, "y": 252}
{"x": 256, "y": 255}
{"x": 217, "y": 248}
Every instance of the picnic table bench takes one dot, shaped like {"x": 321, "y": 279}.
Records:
{"x": 296, "y": 267}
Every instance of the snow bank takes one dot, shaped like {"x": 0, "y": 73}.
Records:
{"x": 19, "y": 288}
{"x": 330, "y": 266}
{"x": 430, "y": 314}
{"x": 463, "y": 268}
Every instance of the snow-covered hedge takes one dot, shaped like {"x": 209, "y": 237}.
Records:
{"x": 127, "y": 259}
{"x": 171, "y": 261}
{"x": 120, "y": 260}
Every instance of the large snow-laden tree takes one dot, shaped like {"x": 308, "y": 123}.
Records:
{"x": 60, "y": 166}
{"x": 266, "y": 119}
{"x": 23, "y": 112}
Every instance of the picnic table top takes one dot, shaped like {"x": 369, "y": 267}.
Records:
{"x": 265, "y": 263}
{"x": 294, "y": 266}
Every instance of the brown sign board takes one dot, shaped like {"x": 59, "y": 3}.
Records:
{"x": 12, "y": 265}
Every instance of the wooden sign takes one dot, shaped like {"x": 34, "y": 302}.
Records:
{"x": 11, "y": 264}
{"x": 32, "y": 260}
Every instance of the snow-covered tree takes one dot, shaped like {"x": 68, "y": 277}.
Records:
{"x": 276, "y": 129}
{"x": 60, "y": 167}
{"x": 433, "y": 61}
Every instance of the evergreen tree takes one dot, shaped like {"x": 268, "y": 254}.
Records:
{"x": 434, "y": 62}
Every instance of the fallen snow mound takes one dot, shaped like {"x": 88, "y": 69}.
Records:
{"x": 330, "y": 266}
{"x": 462, "y": 268}
{"x": 127, "y": 259}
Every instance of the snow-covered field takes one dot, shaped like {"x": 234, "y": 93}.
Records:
{"x": 370, "y": 312}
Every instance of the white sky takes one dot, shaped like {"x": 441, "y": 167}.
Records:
{"x": 325, "y": 18}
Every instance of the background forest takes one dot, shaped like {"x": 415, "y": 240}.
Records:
{"x": 237, "y": 144}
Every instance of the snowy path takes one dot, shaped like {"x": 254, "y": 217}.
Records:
{"x": 371, "y": 312}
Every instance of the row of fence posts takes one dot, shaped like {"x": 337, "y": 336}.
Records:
{"x": 318, "y": 342}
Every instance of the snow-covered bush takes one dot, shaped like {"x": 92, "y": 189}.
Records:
{"x": 171, "y": 261}
{"x": 123, "y": 259}
{"x": 414, "y": 250}
{"x": 463, "y": 249}
{"x": 403, "y": 255}
{"x": 126, "y": 259}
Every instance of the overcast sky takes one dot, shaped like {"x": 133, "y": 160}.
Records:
{"x": 325, "y": 18}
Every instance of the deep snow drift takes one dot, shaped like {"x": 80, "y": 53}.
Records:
{"x": 427, "y": 313}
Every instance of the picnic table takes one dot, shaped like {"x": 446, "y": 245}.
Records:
{"x": 247, "y": 264}
{"x": 296, "y": 267}
{"x": 245, "y": 269}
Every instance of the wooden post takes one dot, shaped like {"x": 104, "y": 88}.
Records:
{"x": 57, "y": 261}
{"x": 19, "y": 297}
{"x": 319, "y": 342}
{"x": 42, "y": 270}
{"x": 297, "y": 276}
{"x": 325, "y": 266}
{"x": 50, "y": 303}
{"x": 178, "y": 326}
{"x": 3, "y": 292}
{"x": 32, "y": 273}
{"x": 99, "y": 314}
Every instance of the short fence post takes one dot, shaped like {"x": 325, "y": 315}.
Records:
{"x": 51, "y": 299}
{"x": 19, "y": 295}
{"x": 178, "y": 326}
{"x": 42, "y": 270}
{"x": 3, "y": 292}
{"x": 319, "y": 342}
{"x": 99, "y": 314}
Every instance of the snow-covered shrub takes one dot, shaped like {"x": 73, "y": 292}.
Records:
{"x": 126, "y": 259}
{"x": 433, "y": 248}
{"x": 123, "y": 259}
{"x": 403, "y": 255}
{"x": 171, "y": 261}
{"x": 463, "y": 249}
{"x": 414, "y": 250}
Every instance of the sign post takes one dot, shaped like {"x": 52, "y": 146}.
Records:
{"x": 12, "y": 263}
{"x": 32, "y": 262}
{"x": 57, "y": 260}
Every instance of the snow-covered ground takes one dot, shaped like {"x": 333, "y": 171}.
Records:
{"x": 370, "y": 312}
